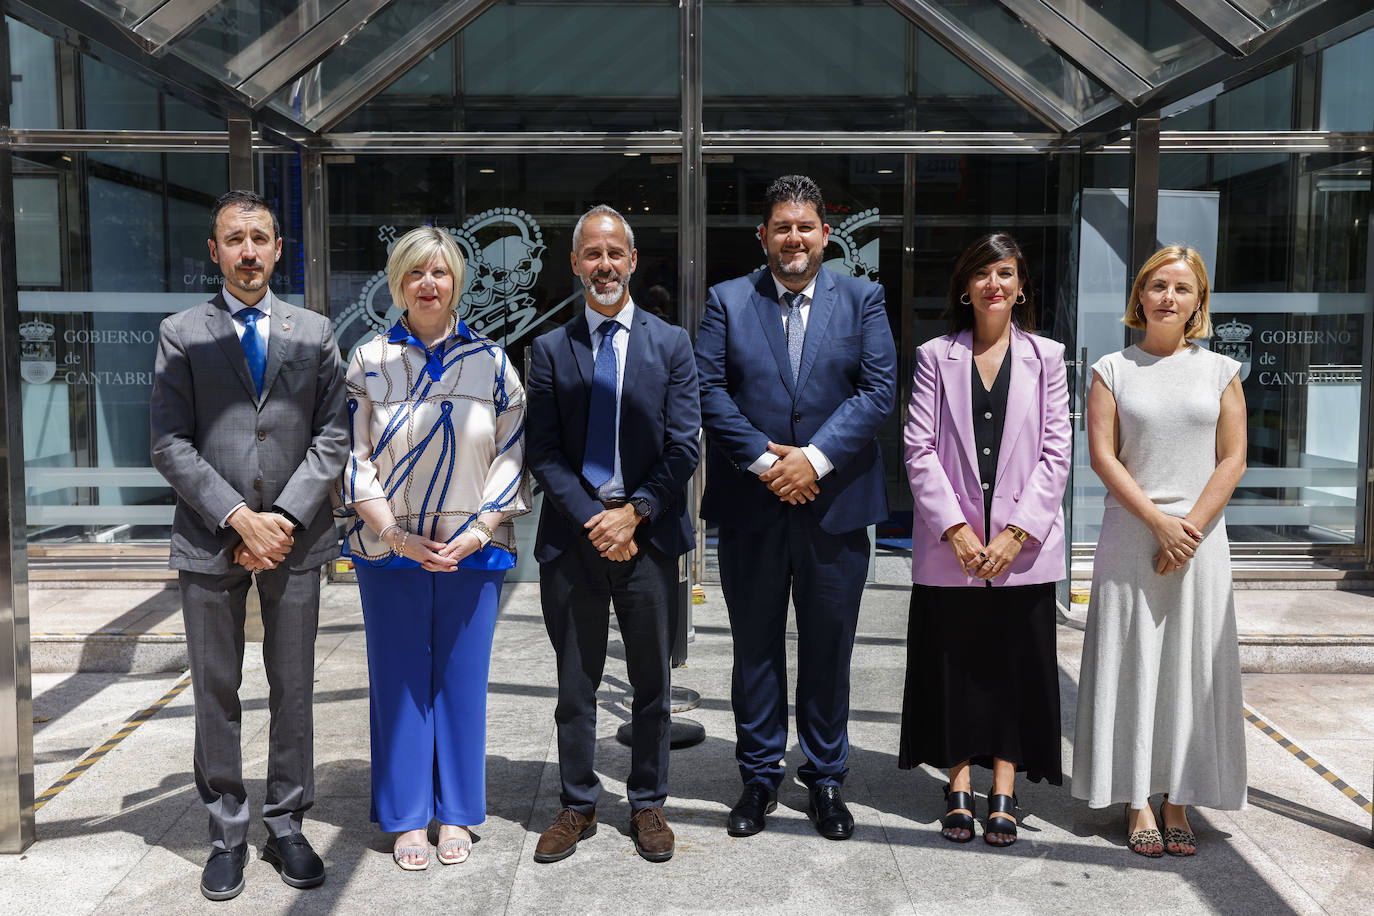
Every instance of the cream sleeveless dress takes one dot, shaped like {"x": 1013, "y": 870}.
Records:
{"x": 1159, "y": 695}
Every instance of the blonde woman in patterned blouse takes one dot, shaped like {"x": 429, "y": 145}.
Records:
{"x": 435, "y": 477}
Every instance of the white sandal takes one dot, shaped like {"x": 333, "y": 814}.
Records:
{"x": 455, "y": 850}
{"x": 400, "y": 852}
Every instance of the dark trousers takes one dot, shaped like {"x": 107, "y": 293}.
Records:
{"x": 578, "y": 589}
{"x": 213, "y": 608}
{"x": 824, "y": 575}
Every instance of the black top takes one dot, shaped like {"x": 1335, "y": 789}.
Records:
{"x": 989, "y": 416}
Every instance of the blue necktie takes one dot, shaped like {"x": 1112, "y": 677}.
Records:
{"x": 796, "y": 332}
{"x": 253, "y": 349}
{"x": 598, "y": 462}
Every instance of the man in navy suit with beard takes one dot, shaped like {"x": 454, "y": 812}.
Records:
{"x": 798, "y": 373}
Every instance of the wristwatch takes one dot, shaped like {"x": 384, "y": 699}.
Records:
{"x": 1018, "y": 534}
{"x": 642, "y": 507}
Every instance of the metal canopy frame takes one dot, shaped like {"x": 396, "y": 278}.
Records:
{"x": 172, "y": 21}
{"x": 1226, "y": 26}
{"x": 1076, "y": 32}
{"x": 385, "y": 70}
{"x": 306, "y": 51}
{"x": 1296, "y": 33}
{"x": 988, "y": 62}
{"x": 1127, "y": 83}
{"x": 75, "y": 23}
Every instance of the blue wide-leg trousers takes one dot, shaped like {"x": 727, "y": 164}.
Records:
{"x": 428, "y": 655}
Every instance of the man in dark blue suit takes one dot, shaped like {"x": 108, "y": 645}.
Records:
{"x": 798, "y": 372}
{"x": 612, "y": 437}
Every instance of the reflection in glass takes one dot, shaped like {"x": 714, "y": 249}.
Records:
{"x": 524, "y": 66}
{"x": 512, "y": 217}
{"x": 845, "y": 66}
{"x": 33, "y": 73}
{"x": 1276, "y": 12}
{"x": 1149, "y": 37}
{"x": 237, "y": 39}
{"x": 1285, "y": 239}
{"x": 127, "y": 11}
{"x": 1346, "y": 102}
{"x": 999, "y": 34}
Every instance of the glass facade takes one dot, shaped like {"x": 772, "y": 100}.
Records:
{"x": 918, "y": 148}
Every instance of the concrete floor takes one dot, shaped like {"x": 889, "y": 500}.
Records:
{"x": 128, "y": 836}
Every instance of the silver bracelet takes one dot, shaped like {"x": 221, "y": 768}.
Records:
{"x": 381, "y": 536}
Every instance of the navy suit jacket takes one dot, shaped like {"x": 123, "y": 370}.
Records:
{"x": 844, "y": 391}
{"x": 660, "y": 426}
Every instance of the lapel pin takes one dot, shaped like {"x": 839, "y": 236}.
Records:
{"x": 286, "y": 325}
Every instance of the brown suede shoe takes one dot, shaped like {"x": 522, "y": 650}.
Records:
{"x": 560, "y": 840}
{"x": 652, "y": 835}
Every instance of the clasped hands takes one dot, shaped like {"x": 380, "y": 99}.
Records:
{"x": 612, "y": 532}
{"x": 267, "y": 538}
{"x": 1178, "y": 540}
{"x": 434, "y": 556}
{"x": 792, "y": 477}
{"x": 977, "y": 560}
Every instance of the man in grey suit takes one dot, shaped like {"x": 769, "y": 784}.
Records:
{"x": 249, "y": 426}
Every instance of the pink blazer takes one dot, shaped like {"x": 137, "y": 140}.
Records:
{"x": 1032, "y": 466}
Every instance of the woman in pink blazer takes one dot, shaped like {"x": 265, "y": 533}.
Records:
{"x": 987, "y": 455}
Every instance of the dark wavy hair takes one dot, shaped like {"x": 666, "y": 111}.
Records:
{"x": 989, "y": 249}
{"x": 793, "y": 189}
{"x": 242, "y": 200}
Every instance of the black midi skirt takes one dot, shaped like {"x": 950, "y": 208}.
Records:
{"x": 982, "y": 679}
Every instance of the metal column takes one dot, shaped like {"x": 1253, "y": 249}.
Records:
{"x": 691, "y": 261}
{"x": 242, "y": 175}
{"x": 1143, "y": 203}
{"x": 16, "y": 697}
{"x": 316, "y": 233}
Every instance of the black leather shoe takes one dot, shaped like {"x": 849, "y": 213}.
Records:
{"x": 747, "y": 817}
{"x": 294, "y": 860}
{"x": 827, "y": 809}
{"x": 222, "y": 878}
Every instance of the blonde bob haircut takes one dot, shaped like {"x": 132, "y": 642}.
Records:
{"x": 1200, "y": 325}
{"x": 414, "y": 249}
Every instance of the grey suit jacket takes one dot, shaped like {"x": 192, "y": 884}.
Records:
{"x": 217, "y": 444}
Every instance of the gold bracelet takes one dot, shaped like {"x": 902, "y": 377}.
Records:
{"x": 479, "y": 525}
{"x": 1017, "y": 533}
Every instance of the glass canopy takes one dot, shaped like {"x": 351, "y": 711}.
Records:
{"x": 1070, "y": 63}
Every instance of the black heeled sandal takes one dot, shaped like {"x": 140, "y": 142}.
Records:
{"x": 954, "y": 821}
{"x": 1002, "y": 826}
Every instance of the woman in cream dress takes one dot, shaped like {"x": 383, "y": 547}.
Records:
{"x": 1159, "y": 701}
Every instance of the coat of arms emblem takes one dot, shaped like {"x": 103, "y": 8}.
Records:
{"x": 37, "y": 352}
{"x": 1233, "y": 339}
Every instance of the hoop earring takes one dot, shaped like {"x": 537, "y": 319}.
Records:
{"x": 1021, "y": 298}
{"x": 1139, "y": 310}
{"x": 965, "y": 299}
{"x": 1192, "y": 318}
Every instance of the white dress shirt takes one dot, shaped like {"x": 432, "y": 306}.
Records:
{"x": 620, "y": 343}
{"x": 263, "y": 327}
{"x": 819, "y": 462}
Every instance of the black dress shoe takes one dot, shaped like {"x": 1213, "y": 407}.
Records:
{"x": 827, "y": 809}
{"x": 222, "y": 878}
{"x": 294, "y": 860}
{"x": 747, "y": 817}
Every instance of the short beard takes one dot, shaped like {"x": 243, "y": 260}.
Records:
{"x": 782, "y": 270}
{"x": 610, "y": 297}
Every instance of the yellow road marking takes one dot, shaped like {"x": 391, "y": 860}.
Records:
{"x": 1283, "y": 741}
{"x": 94, "y": 756}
